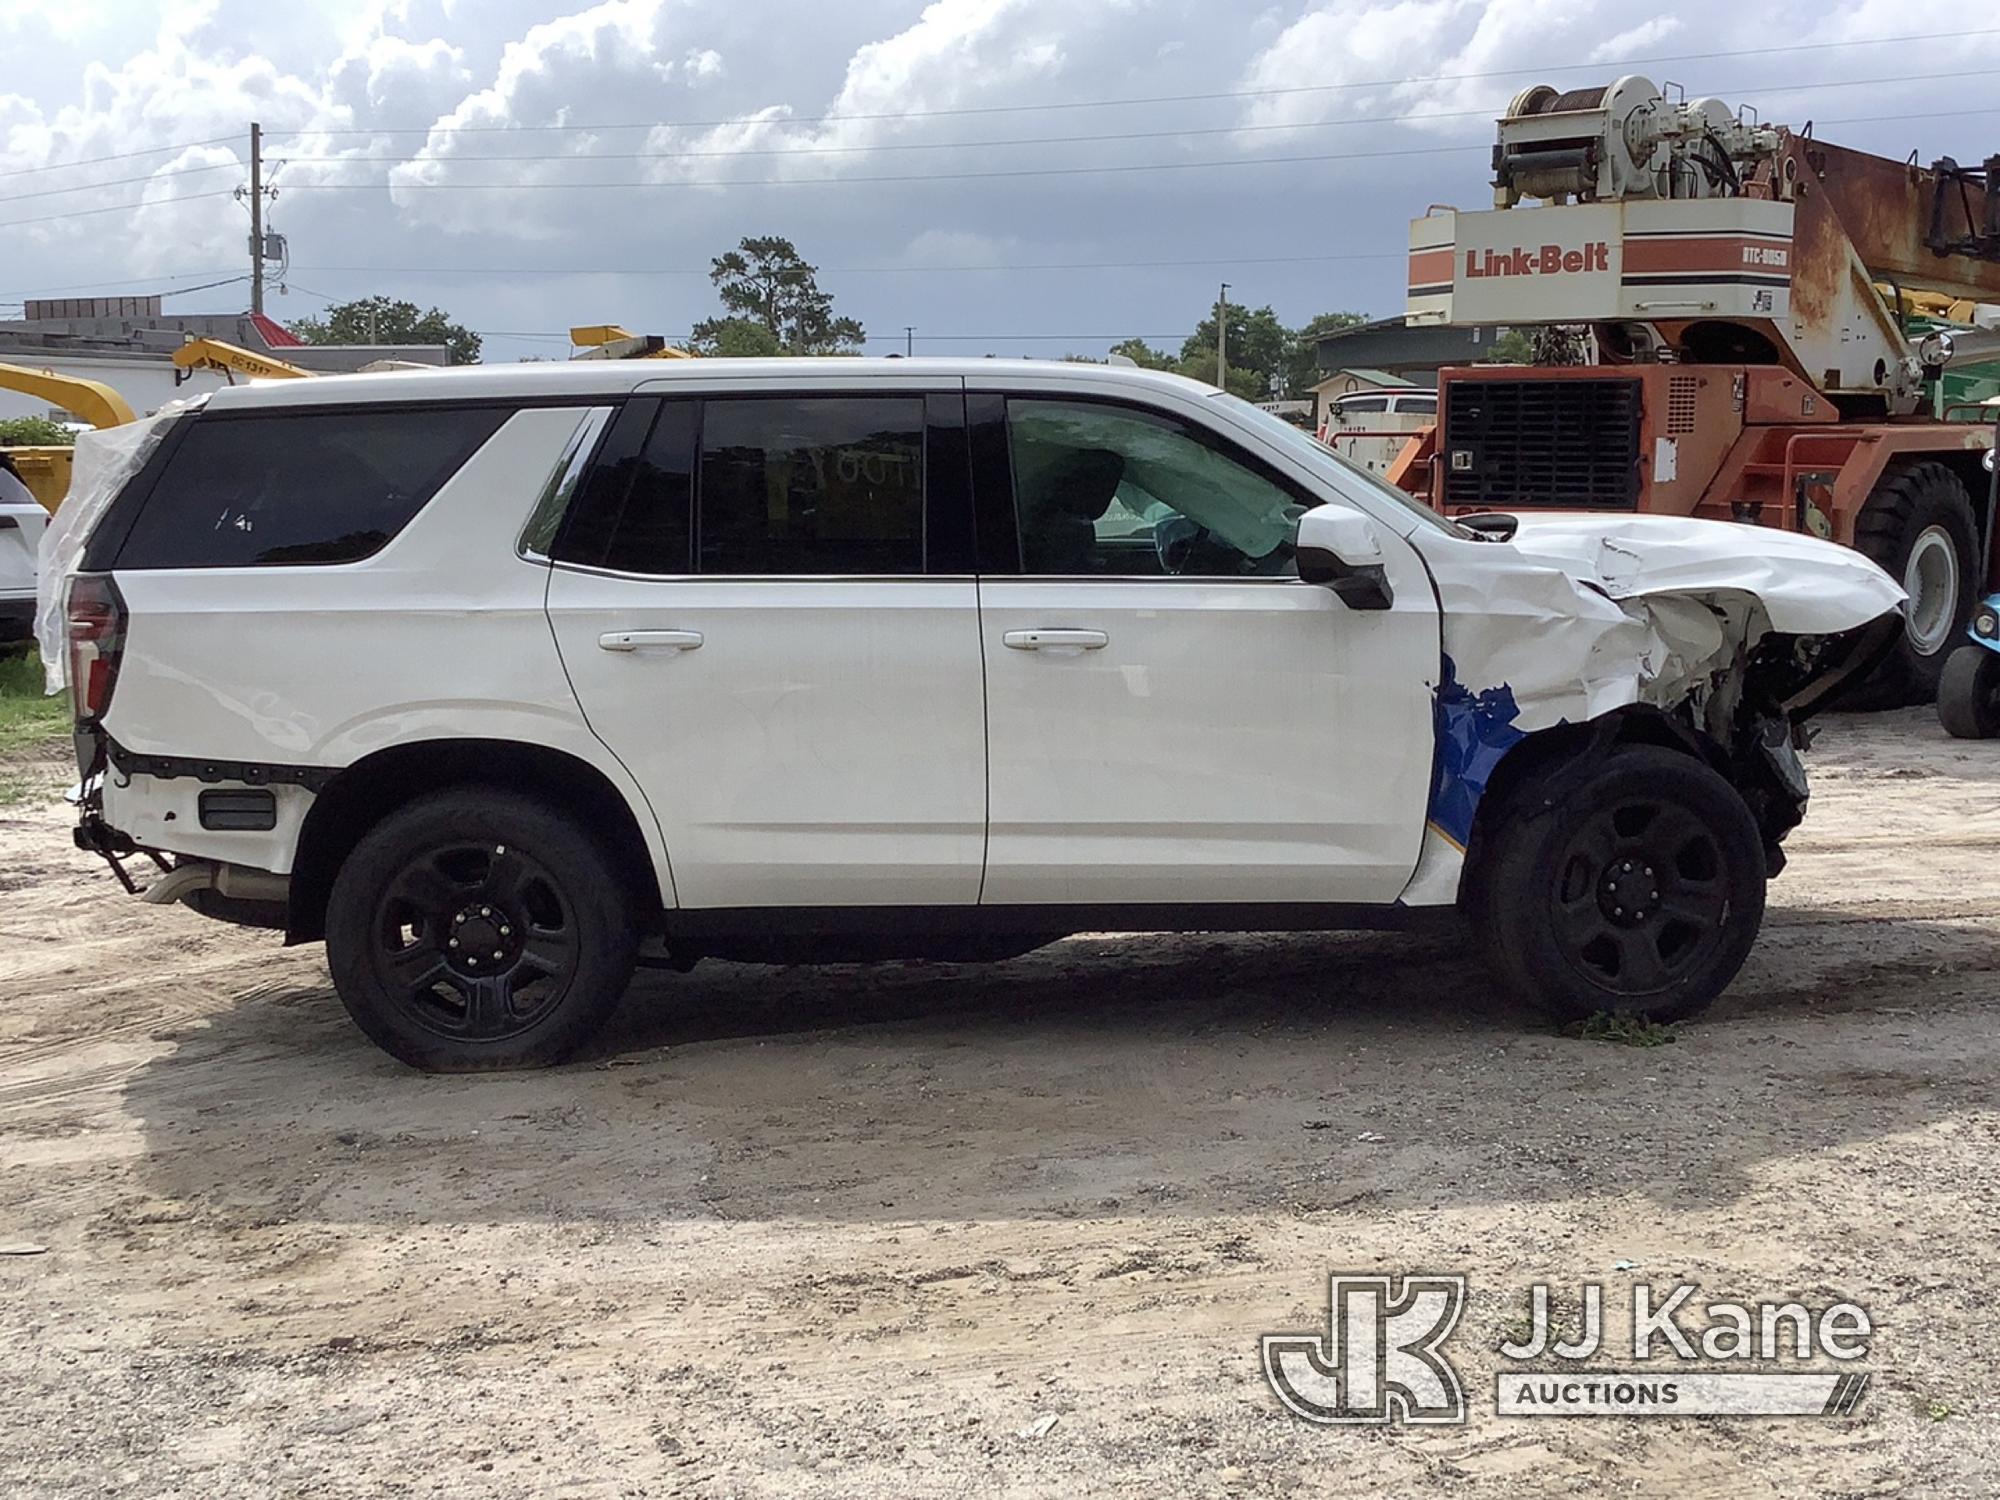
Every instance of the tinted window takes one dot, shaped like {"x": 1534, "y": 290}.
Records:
{"x": 805, "y": 485}
{"x": 1353, "y": 404}
{"x": 635, "y": 511}
{"x": 1420, "y": 405}
{"x": 1110, "y": 490}
{"x": 320, "y": 487}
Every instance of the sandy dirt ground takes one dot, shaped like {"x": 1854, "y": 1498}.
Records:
{"x": 847, "y": 1231}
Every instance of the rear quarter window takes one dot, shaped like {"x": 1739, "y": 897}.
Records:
{"x": 298, "y": 488}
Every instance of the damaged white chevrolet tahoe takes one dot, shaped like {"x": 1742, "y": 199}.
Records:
{"x": 502, "y": 681}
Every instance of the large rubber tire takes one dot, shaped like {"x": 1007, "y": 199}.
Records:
{"x": 1969, "y": 696}
{"x": 1561, "y": 856}
{"x": 1918, "y": 525}
{"x": 476, "y": 929}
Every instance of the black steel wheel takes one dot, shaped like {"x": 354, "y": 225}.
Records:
{"x": 1635, "y": 887}
{"x": 476, "y": 929}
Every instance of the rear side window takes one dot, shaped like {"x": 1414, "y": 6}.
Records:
{"x": 814, "y": 485}
{"x": 331, "y": 486}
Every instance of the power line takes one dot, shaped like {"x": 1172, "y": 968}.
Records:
{"x": 1000, "y": 109}
{"x": 1073, "y": 265}
{"x": 704, "y": 182}
{"x": 988, "y": 175}
{"x": 91, "y": 187}
{"x": 91, "y": 161}
{"x": 984, "y": 175}
{"x": 116, "y": 208}
{"x": 1067, "y": 140}
{"x": 91, "y": 286}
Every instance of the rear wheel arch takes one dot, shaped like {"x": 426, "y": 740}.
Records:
{"x": 373, "y": 788}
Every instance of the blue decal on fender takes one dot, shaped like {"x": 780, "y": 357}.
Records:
{"x": 1474, "y": 730}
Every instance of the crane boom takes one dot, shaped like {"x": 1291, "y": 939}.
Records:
{"x": 91, "y": 401}
{"x": 1683, "y": 232}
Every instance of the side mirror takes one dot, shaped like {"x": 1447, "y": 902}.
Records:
{"x": 1339, "y": 549}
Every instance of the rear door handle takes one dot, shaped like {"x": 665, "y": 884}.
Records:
{"x": 649, "y": 640}
{"x": 1056, "y": 640}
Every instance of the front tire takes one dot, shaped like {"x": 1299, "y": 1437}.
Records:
{"x": 475, "y": 930}
{"x": 1636, "y": 888}
{"x": 1969, "y": 696}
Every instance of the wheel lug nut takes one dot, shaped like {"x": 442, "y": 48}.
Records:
{"x": 472, "y": 963}
{"x": 506, "y": 932}
{"x": 485, "y": 911}
{"x": 498, "y": 955}
{"x": 454, "y": 942}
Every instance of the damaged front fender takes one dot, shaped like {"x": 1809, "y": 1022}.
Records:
{"x": 1726, "y": 633}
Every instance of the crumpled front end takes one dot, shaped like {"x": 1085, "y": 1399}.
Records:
{"x": 1720, "y": 636}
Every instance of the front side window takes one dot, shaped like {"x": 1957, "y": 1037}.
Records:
{"x": 292, "y": 488}
{"x": 811, "y": 485}
{"x": 1111, "y": 490}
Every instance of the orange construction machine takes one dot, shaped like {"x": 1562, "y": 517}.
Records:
{"x": 1742, "y": 284}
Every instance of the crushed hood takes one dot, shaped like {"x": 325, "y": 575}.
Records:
{"x": 1806, "y": 586}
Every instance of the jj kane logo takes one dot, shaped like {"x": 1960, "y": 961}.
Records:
{"x": 1382, "y": 1357}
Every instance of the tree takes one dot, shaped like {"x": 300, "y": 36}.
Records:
{"x": 34, "y": 432}
{"x": 766, "y": 283}
{"x": 1258, "y": 343}
{"x": 735, "y": 338}
{"x": 1512, "y": 347}
{"x": 1303, "y": 371}
{"x": 384, "y": 320}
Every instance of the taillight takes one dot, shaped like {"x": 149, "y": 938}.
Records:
{"x": 96, "y": 643}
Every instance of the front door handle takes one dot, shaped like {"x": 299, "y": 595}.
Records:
{"x": 1056, "y": 640}
{"x": 646, "y": 640}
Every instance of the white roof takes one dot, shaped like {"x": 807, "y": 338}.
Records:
{"x": 602, "y": 377}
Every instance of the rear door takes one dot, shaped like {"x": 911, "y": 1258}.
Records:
{"x": 1174, "y": 716}
{"x": 766, "y": 606}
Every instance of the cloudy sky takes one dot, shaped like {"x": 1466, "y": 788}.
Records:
{"x": 1009, "y": 175}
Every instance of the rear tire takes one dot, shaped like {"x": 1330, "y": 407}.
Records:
{"x": 476, "y": 929}
{"x": 1969, "y": 696}
{"x": 1918, "y": 526}
{"x": 1635, "y": 888}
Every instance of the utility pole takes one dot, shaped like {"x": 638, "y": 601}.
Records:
{"x": 1222, "y": 339}
{"x": 256, "y": 218}
{"x": 909, "y": 340}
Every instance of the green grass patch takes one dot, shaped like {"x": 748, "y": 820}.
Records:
{"x": 29, "y": 720}
{"x": 1624, "y": 1031}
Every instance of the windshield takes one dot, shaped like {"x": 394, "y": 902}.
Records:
{"x": 1317, "y": 455}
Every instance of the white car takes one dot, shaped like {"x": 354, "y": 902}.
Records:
{"x": 496, "y": 679}
{"x": 21, "y": 522}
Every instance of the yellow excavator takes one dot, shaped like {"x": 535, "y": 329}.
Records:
{"x": 45, "y": 469}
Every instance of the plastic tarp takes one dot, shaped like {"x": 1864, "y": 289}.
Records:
{"x": 105, "y": 459}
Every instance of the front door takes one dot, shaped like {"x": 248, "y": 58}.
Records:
{"x": 1174, "y": 717}
{"x": 743, "y": 601}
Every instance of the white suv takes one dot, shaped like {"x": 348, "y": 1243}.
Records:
{"x": 21, "y": 522}
{"x": 498, "y": 678}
